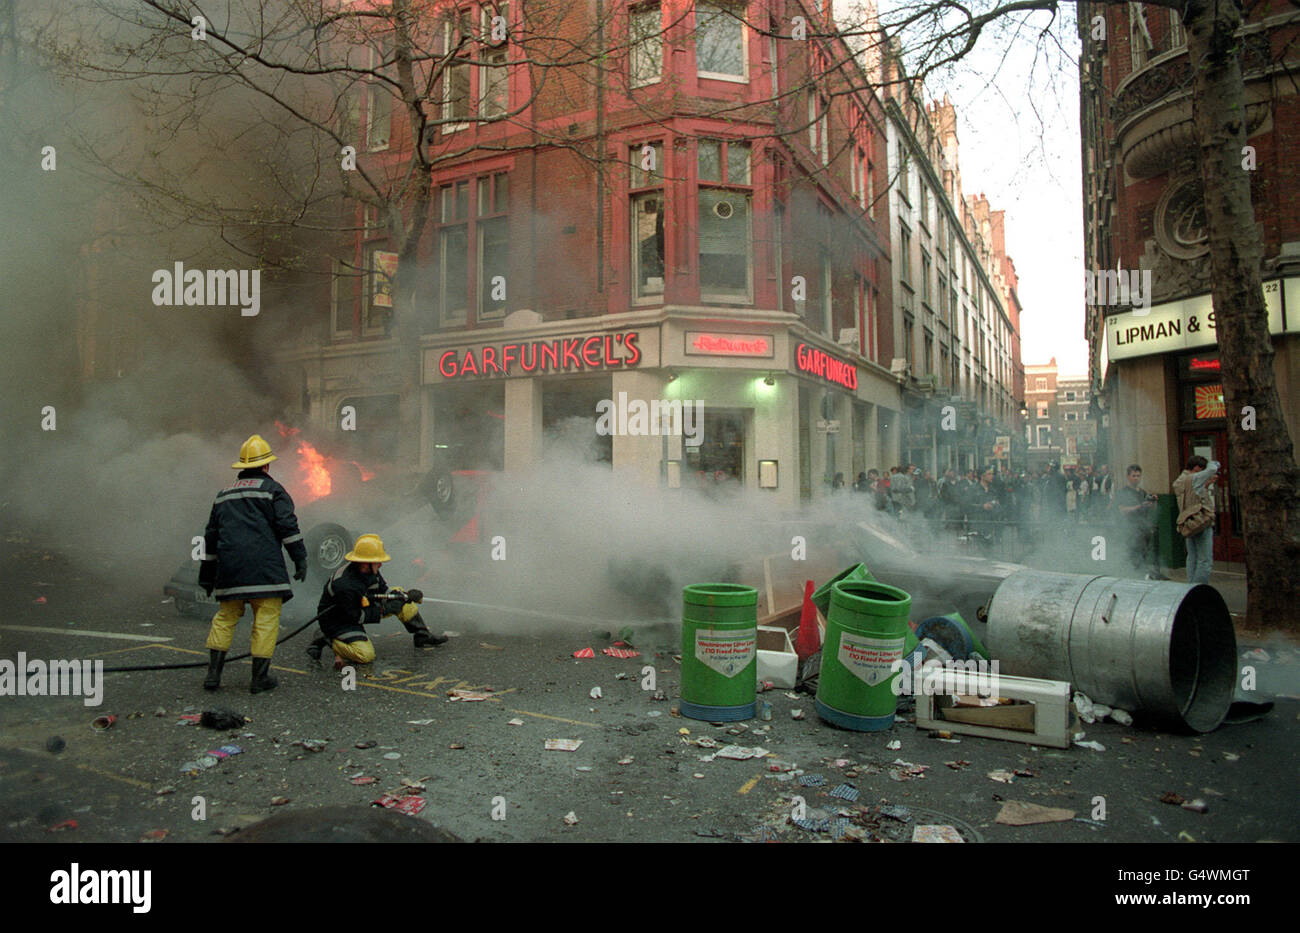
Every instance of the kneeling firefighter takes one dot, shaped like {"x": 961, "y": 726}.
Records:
{"x": 357, "y": 595}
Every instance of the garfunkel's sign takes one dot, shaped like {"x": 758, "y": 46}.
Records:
{"x": 563, "y": 354}
{"x": 817, "y": 363}
{"x": 700, "y": 343}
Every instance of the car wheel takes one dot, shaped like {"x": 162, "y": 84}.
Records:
{"x": 438, "y": 489}
{"x": 326, "y": 546}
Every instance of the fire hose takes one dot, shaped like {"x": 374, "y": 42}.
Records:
{"x": 239, "y": 657}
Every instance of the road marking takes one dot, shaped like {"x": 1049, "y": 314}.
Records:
{"x": 749, "y": 785}
{"x": 572, "y": 722}
{"x": 86, "y": 632}
{"x": 116, "y": 777}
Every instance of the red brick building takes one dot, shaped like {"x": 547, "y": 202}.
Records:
{"x": 701, "y": 219}
{"x": 1153, "y": 362}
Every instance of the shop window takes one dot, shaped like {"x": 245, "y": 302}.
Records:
{"x": 647, "y": 195}
{"x": 720, "y": 41}
{"x": 725, "y": 229}
{"x": 719, "y": 460}
{"x": 469, "y": 425}
{"x": 381, "y": 267}
{"x": 645, "y": 63}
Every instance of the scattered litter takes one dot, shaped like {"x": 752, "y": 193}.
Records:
{"x": 711, "y": 832}
{"x": 61, "y": 826}
{"x": 792, "y": 696}
{"x": 698, "y": 775}
{"x": 164, "y": 791}
{"x": 416, "y": 722}
{"x": 102, "y": 723}
{"x": 188, "y": 720}
{"x": 279, "y": 801}
{"x": 1006, "y": 777}
{"x": 1185, "y": 836}
{"x": 1257, "y": 654}
{"x": 894, "y": 745}
{"x": 1101, "y": 710}
{"x": 563, "y": 745}
{"x": 484, "y": 644}
{"x": 515, "y": 722}
{"x": 1196, "y": 806}
{"x": 659, "y": 695}
{"x": 1171, "y": 798}
{"x": 470, "y": 696}
{"x": 312, "y": 745}
{"x": 741, "y": 753}
{"x": 846, "y": 792}
{"x": 595, "y": 693}
{"x": 781, "y": 767}
{"x": 796, "y": 714}
{"x": 626, "y": 761}
{"x": 1231, "y": 756}
{"x": 220, "y": 719}
{"x": 456, "y": 745}
{"x": 410, "y": 805}
{"x": 1016, "y": 813}
{"x": 1025, "y": 772}
{"x": 1092, "y": 744}
{"x": 906, "y": 770}
{"x": 392, "y": 756}
{"x": 621, "y": 675}
{"x": 55, "y": 744}
{"x": 1084, "y": 707}
{"x": 39, "y": 600}
{"x": 1121, "y": 717}
{"x": 571, "y": 818}
{"x": 360, "y": 781}
{"x": 959, "y": 765}
{"x": 622, "y": 653}
{"x": 759, "y": 834}
{"x": 703, "y": 741}
{"x": 939, "y": 734}
{"x": 766, "y": 714}
{"x": 902, "y": 814}
{"x": 654, "y": 712}
{"x": 584, "y": 653}
{"x": 813, "y": 826}
{"x": 812, "y": 780}
{"x": 154, "y": 835}
{"x": 936, "y": 833}
{"x": 368, "y": 743}
{"x": 683, "y": 731}
{"x": 190, "y": 767}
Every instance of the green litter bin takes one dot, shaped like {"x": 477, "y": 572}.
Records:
{"x": 866, "y": 632}
{"x": 719, "y": 652}
{"x": 822, "y": 595}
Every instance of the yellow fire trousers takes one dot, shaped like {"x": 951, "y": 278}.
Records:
{"x": 266, "y": 625}
{"x": 363, "y": 651}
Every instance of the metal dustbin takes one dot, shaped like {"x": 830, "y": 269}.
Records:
{"x": 1165, "y": 648}
{"x": 822, "y": 595}
{"x": 719, "y": 652}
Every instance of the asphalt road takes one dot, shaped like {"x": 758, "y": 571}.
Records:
{"x": 634, "y": 777}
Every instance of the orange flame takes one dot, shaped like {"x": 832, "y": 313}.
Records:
{"x": 315, "y": 475}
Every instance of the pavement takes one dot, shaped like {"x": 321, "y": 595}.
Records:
{"x": 483, "y": 766}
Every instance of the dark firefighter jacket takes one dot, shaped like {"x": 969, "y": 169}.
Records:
{"x": 251, "y": 519}
{"x": 341, "y": 601}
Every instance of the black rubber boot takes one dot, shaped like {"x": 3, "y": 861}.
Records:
{"x": 423, "y": 637}
{"x": 216, "y": 659}
{"x": 262, "y": 679}
{"x": 316, "y": 647}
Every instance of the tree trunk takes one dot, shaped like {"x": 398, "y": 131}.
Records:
{"x": 1268, "y": 479}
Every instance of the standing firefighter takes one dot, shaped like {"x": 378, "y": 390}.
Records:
{"x": 357, "y": 595}
{"x": 251, "y": 520}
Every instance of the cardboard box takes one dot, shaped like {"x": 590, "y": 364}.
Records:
{"x": 777, "y": 660}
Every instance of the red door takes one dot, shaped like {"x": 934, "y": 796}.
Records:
{"x": 1213, "y": 445}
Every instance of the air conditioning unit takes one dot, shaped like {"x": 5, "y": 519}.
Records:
{"x": 849, "y": 337}
{"x": 724, "y": 210}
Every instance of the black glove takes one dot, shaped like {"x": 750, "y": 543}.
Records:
{"x": 300, "y": 571}
{"x": 391, "y": 605}
{"x": 415, "y": 596}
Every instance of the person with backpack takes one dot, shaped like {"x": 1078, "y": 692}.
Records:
{"x": 1194, "y": 488}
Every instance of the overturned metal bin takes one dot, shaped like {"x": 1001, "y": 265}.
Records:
{"x": 1167, "y": 649}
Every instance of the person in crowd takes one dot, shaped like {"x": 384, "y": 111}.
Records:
{"x": 1194, "y": 488}
{"x": 1137, "y": 510}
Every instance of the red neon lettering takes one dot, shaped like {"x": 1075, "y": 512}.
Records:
{"x": 588, "y": 345}
{"x": 468, "y": 365}
{"x": 571, "y": 352}
{"x": 442, "y": 364}
{"x": 634, "y": 351}
{"x": 610, "y": 359}
{"x": 549, "y": 349}
{"x": 507, "y": 357}
{"x": 523, "y": 357}
{"x": 490, "y": 359}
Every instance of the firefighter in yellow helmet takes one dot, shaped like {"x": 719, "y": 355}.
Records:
{"x": 251, "y": 520}
{"x": 357, "y": 595}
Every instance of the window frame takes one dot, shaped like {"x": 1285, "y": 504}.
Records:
{"x": 746, "y": 191}
{"x": 636, "y": 43}
{"x": 445, "y": 319}
{"x": 481, "y": 220}
{"x": 741, "y": 21}
{"x": 637, "y": 193}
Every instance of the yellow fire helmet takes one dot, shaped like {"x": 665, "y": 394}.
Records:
{"x": 255, "y": 452}
{"x": 368, "y": 550}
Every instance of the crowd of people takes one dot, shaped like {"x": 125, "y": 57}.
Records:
{"x": 988, "y": 501}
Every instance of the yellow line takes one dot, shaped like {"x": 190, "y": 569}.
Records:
{"x": 105, "y": 654}
{"x": 572, "y": 722}
{"x": 749, "y": 785}
{"x": 116, "y": 777}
